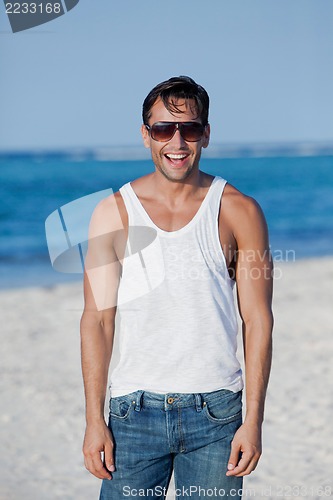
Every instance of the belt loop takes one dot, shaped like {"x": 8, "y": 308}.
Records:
{"x": 138, "y": 401}
{"x": 166, "y": 408}
{"x": 198, "y": 402}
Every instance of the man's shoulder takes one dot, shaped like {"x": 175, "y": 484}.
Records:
{"x": 113, "y": 205}
{"x": 238, "y": 200}
{"x": 110, "y": 204}
{"x": 109, "y": 215}
{"x": 239, "y": 207}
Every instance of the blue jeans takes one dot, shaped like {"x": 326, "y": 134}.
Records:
{"x": 190, "y": 434}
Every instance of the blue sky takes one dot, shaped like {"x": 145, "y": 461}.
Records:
{"x": 79, "y": 81}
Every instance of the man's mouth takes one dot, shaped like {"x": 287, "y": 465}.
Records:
{"x": 176, "y": 159}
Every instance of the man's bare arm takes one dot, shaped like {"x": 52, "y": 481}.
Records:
{"x": 102, "y": 272}
{"x": 254, "y": 288}
{"x": 97, "y": 330}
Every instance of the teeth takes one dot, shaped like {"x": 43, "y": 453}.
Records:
{"x": 176, "y": 157}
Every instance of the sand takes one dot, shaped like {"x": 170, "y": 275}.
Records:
{"x": 42, "y": 405}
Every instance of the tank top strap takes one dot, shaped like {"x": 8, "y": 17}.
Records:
{"x": 214, "y": 196}
{"x": 133, "y": 207}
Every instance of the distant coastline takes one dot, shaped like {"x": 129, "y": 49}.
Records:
{"x": 137, "y": 152}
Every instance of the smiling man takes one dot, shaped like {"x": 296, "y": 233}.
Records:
{"x": 176, "y": 393}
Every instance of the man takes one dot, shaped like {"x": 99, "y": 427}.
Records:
{"x": 176, "y": 392}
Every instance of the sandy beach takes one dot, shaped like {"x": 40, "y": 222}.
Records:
{"x": 42, "y": 405}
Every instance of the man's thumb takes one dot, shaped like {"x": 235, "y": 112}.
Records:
{"x": 108, "y": 458}
{"x": 233, "y": 458}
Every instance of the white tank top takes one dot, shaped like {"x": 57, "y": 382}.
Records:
{"x": 178, "y": 323}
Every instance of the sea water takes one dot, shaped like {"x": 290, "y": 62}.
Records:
{"x": 296, "y": 195}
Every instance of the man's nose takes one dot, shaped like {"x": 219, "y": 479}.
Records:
{"x": 177, "y": 139}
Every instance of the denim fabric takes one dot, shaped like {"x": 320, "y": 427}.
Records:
{"x": 155, "y": 434}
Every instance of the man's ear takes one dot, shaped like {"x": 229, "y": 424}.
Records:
{"x": 206, "y": 136}
{"x": 145, "y": 136}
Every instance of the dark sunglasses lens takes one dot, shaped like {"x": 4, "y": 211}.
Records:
{"x": 191, "y": 131}
{"x": 162, "y": 131}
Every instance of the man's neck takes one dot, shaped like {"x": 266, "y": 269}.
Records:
{"x": 179, "y": 191}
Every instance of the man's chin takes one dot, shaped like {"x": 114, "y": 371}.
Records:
{"x": 176, "y": 176}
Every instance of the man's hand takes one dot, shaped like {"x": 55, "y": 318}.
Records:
{"x": 98, "y": 439}
{"x": 245, "y": 450}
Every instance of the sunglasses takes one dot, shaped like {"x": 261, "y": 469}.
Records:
{"x": 164, "y": 131}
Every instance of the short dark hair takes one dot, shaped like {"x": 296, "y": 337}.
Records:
{"x": 179, "y": 87}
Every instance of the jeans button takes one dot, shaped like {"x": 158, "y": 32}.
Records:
{"x": 170, "y": 400}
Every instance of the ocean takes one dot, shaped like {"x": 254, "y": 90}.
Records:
{"x": 295, "y": 193}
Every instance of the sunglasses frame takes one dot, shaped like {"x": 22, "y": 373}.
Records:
{"x": 177, "y": 126}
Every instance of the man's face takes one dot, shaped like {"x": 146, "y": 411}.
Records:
{"x": 176, "y": 159}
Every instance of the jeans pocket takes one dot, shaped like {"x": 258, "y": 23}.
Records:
{"x": 224, "y": 408}
{"x": 121, "y": 406}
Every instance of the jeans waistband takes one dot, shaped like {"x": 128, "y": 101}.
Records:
{"x": 172, "y": 400}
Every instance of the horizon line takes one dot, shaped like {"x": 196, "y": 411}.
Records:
{"x": 215, "y": 150}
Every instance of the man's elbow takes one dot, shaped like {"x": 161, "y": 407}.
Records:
{"x": 262, "y": 321}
